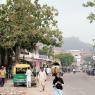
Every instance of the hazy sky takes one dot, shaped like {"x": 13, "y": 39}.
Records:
{"x": 2, "y": 1}
{"x": 72, "y": 18}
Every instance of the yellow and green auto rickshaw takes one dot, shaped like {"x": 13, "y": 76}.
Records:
{"x": 19, "y": 74}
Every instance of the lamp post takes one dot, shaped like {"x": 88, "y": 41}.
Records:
{"x": 93, "y": 54}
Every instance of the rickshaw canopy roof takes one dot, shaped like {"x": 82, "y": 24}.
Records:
{"x": 22, "y": 65}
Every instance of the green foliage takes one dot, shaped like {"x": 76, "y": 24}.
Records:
{"x": 89, "y": 4}
{"x": 91, "y": 16}
{"x": 25, "y": 24}
{"x": 65, "y": 58}
{"x": 46, "y": 50}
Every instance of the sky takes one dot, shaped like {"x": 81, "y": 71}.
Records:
{"x": 72, "y": 18}
{"x": 2, "y": 1}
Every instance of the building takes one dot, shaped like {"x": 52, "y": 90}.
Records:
{"x": 35, "y": 58}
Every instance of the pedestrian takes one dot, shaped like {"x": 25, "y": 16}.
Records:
{"x": 34, "y": 72}
{"x": 28, "y": 77}
{"x": 74, "y": 71}
{"x": 42, "y": 78}
{"x": 48, "y": 70}
{"x": 45, "y": 69}
{"x": 1, "y": 81}
{"x": 3, "y": 74}
{"x": 58, "y": 85}
{"x": 37, "y": 71}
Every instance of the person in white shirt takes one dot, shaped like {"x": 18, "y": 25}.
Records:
{"x": 48, "y": 70}
{"x": 28, "y": 77}
{"x": 42, "y": 78}
{"x": 74, "y": 71}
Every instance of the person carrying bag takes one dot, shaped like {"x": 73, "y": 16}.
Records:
{"x": 58, "y": 85}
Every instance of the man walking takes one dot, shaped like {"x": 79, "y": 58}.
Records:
{"x": 42, "y": 78}
{"x": 28, "y": 77}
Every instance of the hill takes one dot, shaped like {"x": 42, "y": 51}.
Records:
{"x": 73, "y": 43}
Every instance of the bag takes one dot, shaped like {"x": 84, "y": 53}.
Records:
{"x": 59, "y": 86}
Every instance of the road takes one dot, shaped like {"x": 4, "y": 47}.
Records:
{"x": 79, "y": 84}
{"x": 75, "y": 84}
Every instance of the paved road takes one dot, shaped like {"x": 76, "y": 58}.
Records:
{"x": 75, "y": 84}
{"x": 79, "y": 84}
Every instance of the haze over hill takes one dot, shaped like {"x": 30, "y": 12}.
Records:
{"x": 73, "y": 43}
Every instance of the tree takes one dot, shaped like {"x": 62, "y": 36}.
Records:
{"x": 46, "y": 50}
{"x": 91, "y": 4}
{"x": 65, "y": 58}
{"x": 23, "y": 24}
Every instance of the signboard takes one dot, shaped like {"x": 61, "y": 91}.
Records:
{"x": 93, "y": 57}
{"x": 78, "y": 58}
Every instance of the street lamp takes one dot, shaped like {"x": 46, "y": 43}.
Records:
{"x": 93, "y": 50}
{"x": 93, "y": 46}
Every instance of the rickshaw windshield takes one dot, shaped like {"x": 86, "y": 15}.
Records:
{"x": 21, "y": 70}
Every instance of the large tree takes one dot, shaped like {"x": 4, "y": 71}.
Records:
{"x": 23, "y": 24}
{"x": 65, "y": 58}
{"x": 90, "y": 3}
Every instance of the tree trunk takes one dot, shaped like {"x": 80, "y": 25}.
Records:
{"x": 17, "y": 54}
{"x": 6, "y": 57}
{"x": 0, "y": 56}
{"x": 10, "y": 63}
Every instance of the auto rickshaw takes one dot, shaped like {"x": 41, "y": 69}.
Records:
{"x": 19, "y": 74}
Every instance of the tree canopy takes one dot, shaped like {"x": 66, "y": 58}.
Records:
{"x": 65, "y": 58}
{"x": 46, "y": 50}
{"x": 25, "y": 24}
{"x": 90, "y": 3}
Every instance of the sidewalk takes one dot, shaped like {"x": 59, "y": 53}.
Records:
{"x": 36, "y": 90}
{"x": 9, "y": 89}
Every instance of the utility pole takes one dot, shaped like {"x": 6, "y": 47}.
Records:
{"x": 93, "y": 54}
